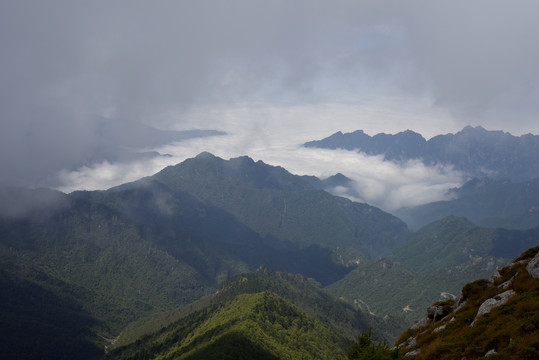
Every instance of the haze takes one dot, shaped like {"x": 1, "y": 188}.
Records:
{"x": 271, "y": 74}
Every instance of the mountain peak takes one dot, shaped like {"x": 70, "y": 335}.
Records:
{"x": 206, "y": 155}
{"x": 477, "y": 129}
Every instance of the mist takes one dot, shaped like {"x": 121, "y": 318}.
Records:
{"x": 244, "y": 66}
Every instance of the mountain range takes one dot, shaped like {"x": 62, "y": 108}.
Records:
{"x": 474, "y": 151}
{"x": 236, "y": 247}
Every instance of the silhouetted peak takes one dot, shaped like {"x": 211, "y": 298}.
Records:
{"x": 205, "y": 156}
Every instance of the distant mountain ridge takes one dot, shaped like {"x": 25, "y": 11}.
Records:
{"x": 475, "y": 151}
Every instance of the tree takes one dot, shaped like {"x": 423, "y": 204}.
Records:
{"x": 367, "y": 348}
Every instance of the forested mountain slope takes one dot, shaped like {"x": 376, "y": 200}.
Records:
{"x": 305, "y": 293}
{"x": 250, "y": 326}
{"x": 433, "y": 263}
{"x": 92, "y": 261}
{"x": 273, "y": 202}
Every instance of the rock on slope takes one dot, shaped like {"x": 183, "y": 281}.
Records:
{"x": 496, "y": 318}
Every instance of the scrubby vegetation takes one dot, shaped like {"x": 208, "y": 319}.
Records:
{"x": 508, "y": 330}
{"x": 367, "y": 348}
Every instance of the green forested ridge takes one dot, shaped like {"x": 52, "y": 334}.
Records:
{"x": 384, "y": 287}
{"x": 295, "y": 288}
{"x": 271, "y": 327}
{"x": 40, "y": 319}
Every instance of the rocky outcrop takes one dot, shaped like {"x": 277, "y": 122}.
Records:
{"x": 533, "y": 266}
{"x": 437, "y": 312}
{"x": 412, "y": 353}
{"x": 491, "y": 303}
{"x": 420, "y": 323}
{"x": 491, "y": 352}
{"x": 439, "y": 328}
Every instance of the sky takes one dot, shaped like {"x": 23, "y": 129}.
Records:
{"x": 271, "y": 74}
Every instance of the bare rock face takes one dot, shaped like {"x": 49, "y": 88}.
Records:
{"x": 412, "y": 353}
{"x": 533, "y": 266}
{"x": 459, "y": 302}
{"x": 420, "y": 323}
{"x": 491, "y": 352}
{"x": 491, "y": 303}
{"x": 439, "y": 328}
{"x": 436, "y": 312}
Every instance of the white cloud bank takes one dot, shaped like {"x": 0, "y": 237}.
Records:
{"x": 275, "y": 134}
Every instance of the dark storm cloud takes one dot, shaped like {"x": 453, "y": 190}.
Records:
{"x": 64, "y": 62}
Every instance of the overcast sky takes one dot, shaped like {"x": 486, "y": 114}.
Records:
{"x": 272, "y": 74}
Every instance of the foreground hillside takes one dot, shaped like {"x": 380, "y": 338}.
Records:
{"x": 496, "y": 318}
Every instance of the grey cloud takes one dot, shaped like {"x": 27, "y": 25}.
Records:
{"x": 64, "y": 62}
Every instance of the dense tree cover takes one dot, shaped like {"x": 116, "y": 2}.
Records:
{"x": 267, "y": 324}
{"x": 295, "y": 288}
{"x": 210, "y": 240}
{"x": 38, "y": 322}
{"x": 87, "y": 256}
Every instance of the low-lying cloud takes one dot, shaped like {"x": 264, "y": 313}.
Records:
{"x": 270, "y": 135}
